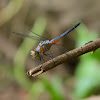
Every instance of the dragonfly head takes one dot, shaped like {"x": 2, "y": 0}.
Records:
{"x": 34, "y": 53}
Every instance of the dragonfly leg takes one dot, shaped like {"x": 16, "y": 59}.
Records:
{"x": 42, "y": 58}
{"x": 50, "y": 56}
{"x": 38, "y": 61}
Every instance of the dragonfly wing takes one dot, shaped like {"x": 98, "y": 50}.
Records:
{"x": 28, "y": 36}
{"x": 58, "y": 49}
{"x": 44, "y": 38}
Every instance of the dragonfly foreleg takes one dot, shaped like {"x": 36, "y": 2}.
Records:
{"x": 42, "y": 58}
{"x": 38, "y": 61}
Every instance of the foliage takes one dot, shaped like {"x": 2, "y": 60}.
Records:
{"x": 87, "y": 73}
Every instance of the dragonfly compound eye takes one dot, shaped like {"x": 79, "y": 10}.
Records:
{"x": 34, "y": 54}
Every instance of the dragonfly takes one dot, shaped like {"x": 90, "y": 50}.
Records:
{"x": 44, "y": 45}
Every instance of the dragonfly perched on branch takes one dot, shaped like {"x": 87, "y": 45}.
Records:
{"x": 45, "y": 45}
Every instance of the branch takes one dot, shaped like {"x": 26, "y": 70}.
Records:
{"x": 88, "y": 47}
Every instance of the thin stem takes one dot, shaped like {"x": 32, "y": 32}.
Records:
{"x": 88, "y": 47}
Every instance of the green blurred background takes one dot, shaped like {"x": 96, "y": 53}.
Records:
{"x": 78, "y": 79}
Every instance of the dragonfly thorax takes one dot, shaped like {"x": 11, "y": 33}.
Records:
{"x": 43, "y": 46}
{"x": 34, "y": 53}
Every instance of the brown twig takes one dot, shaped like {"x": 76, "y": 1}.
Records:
{"x": 88, "y": 47}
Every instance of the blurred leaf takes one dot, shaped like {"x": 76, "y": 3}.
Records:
{"x": 88, "y": 78}
{"x": 10, "y": 10}
{"x": 36, "y": 89}
{"x": 84, "y": 36}
{"x": 55, "y": 88}
{"x": 87, "y": 73}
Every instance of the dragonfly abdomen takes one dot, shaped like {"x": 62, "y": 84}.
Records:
{"x": 55, "y": 40}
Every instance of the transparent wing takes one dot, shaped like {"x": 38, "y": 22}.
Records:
{"x": 58, "y": 49}
{"x": 28, "y": 36}
{"x": 44, "y": 38}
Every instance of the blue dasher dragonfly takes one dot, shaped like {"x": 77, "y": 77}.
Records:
{"x": 45, "y": 45}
